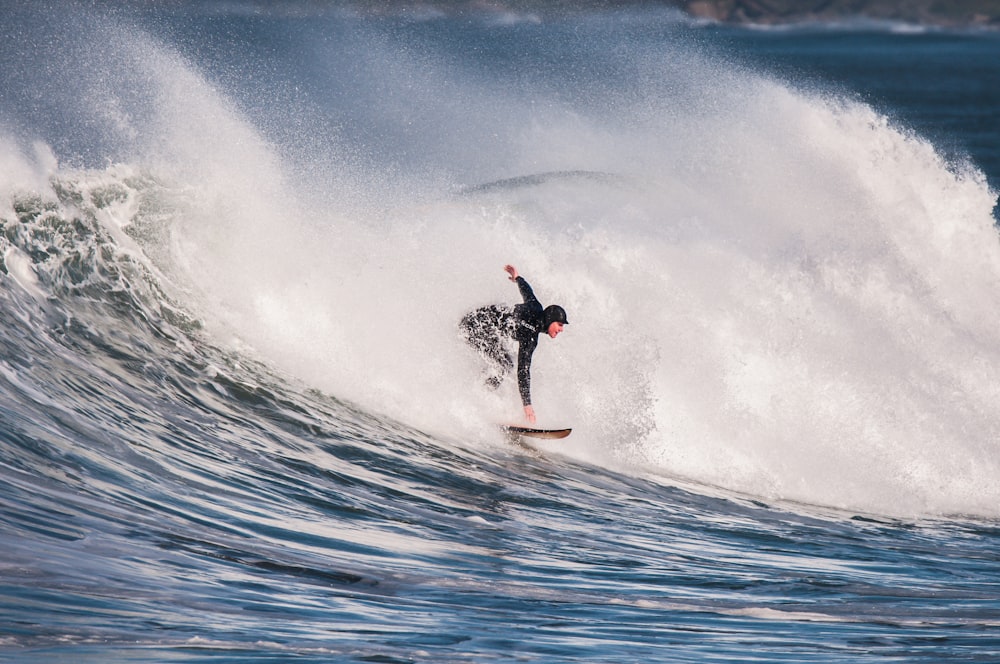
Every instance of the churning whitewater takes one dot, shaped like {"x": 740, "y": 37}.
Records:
{"x": 779, "y": 292}
{"x": 236, "y": 247}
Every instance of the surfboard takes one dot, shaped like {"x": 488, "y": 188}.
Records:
{"x": 518, "y": 431}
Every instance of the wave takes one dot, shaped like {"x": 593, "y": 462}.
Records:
{"x": 772, "y": 291}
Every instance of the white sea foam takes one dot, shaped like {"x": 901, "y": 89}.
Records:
{"x": 769, "y": 290}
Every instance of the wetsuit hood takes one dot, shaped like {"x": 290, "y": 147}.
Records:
{"x": 554, "y": 314}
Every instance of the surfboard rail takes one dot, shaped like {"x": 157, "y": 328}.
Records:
{"x": 514, "y": 430}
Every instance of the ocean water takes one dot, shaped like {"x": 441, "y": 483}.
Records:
{"x": 237, "y": 422}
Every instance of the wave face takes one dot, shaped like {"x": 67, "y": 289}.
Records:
{"x": 237, "y": 420}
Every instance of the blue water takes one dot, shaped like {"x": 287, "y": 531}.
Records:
{"x": 237, "y": 423}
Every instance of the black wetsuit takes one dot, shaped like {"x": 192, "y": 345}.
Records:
{"x": 486, "y": 328}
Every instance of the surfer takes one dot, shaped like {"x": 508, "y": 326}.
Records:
{"x": 485, "y": 329}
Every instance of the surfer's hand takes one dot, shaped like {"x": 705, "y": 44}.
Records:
{"x": 512, "y": 271}
{"x": 529, "y": 414}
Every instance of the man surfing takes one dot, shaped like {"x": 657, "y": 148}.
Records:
{"x": 485, "y": 329}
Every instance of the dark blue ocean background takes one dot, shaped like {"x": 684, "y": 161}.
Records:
{"x": 237, "y": 424}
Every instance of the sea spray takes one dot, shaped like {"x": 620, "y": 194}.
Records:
{"x": 771, "y": 290}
